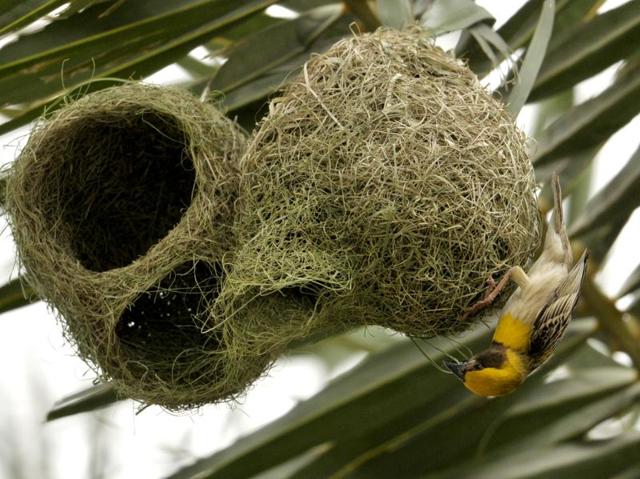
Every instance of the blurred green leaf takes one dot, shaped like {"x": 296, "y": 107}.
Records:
{"x": 236, "y": 32}
{"x": 448, "y": 15}
{"x": 361, "y": 9}
{"x": 617, "y": 199}
{"x": 580, "y": 191}
{"x": 25, "y": 117}
{"x": 547, "y": 111}
{"x": 571, "y": 460}
{"x": 45, "y": 72}
{"x": 515, "y": 33}
{"x": 302, "y": 5}
{"x": 395, "y": 13}
{"x": 286, "y": 40}
{"x": 592, "y": 382}
{"x": 254, "y": 90}
{"x": 630, "y": 472}
{"x": 518, "y": 30}
{"x": 496, "y": 424}
{"x": 631, "y": 283}
{"x": 574, "y": 417}
{"x": 489, "y": 433}
{"x": 76, "y": 6}
{"x": 90, "y": 399}
{"x": 290, "y": 468}
{"x": 634, "y": 307}
{"x": 589, "y": 48}
{"x": 620, "y": 334}
{"x": 15, "y": 14}
{"x": 589, "y": 357}
{"x": 90, "y": 25}
{"x": 16, "y": 294}
{"x": 600, "y": 240}
{"x": 488, "y": 39}
{"x": 197, "y": 68}
{"x": 570, "y": 16}
{"x": 350, "y": 458}
{"x": 143, "y": 63}
{"x": 591, "y": 122}
{"x": 247, "y": 101}
{"x": 574, "y": 170}
{"x": 532, "y": 60}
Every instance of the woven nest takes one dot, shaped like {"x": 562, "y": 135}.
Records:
{"x": 121, "y": 204}
{"x": 386, "y": 185}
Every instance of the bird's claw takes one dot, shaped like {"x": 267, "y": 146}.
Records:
{"x": 491, "y": 285}
{"x": 490, "y": 295}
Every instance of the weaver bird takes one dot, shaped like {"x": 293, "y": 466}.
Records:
{"x": 533, "y": 320}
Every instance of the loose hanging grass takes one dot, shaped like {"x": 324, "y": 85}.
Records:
{"x": 121, "y": 204}
{"x": 386, "y": 183}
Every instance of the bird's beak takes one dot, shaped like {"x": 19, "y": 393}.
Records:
{"x": 455, "y": 367}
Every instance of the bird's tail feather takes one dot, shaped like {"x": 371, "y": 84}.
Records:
{"x": 558, "y": 219}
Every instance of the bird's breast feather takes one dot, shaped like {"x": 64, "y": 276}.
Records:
{"x": 512, "y": 332}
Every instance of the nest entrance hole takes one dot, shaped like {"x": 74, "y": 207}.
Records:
{"x": 162, "y": 328}
{"x": 128, "y": 179}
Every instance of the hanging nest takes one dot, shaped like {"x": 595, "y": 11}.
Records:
{"x": 384, "y": 187}
{"x": 386, "y": 184}
{"x": 121, "y": 204}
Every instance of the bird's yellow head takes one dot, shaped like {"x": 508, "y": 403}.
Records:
{"x": 494, "y": 372}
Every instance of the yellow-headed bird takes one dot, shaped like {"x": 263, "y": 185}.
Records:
{"x": 533, "y": 320}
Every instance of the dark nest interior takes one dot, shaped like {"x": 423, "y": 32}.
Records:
{"x": 167, "y": 322}
{"x": 136, "y": 187}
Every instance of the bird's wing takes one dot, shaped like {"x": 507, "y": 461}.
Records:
{"x": 553, "y": 319}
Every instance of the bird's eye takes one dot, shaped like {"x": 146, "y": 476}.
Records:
{"x": 477, "y": 367}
